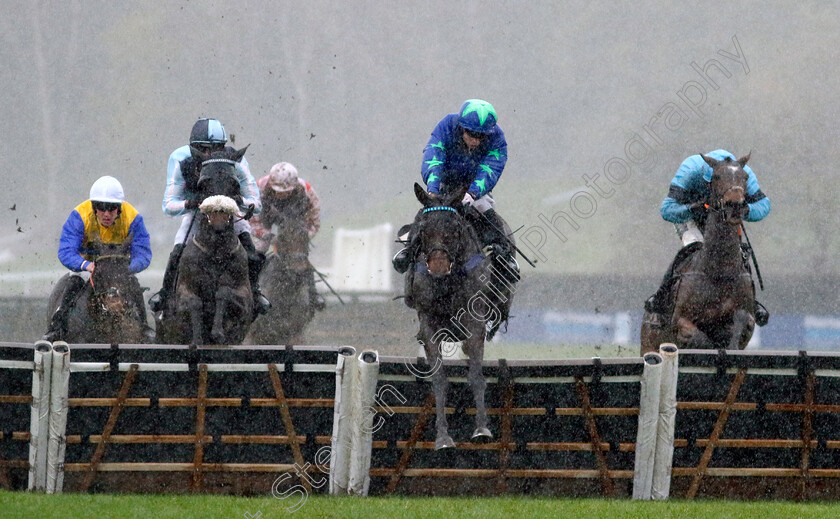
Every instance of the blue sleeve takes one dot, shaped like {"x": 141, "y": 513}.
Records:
{"x": 490, "y": 169}
{"x": 72, "y": 236}
{"x": 141, "y": 249}
{"x": 174, "y": 198}
{"x": 248, "y": 187}
{"x": 674, "y": 207}
{"x": 434, "y": 156}
{"x": 758, "y": 202}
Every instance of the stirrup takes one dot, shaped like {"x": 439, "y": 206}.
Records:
{"x": 156, "y": 302}
{"x": 762, "y": 316}
{"x": 261, "y": 304}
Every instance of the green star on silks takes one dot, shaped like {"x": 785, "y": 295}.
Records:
{"x": 480, "y": 184}
{"x": 487, "y": 169}
{"x": 482, "y": 108}
{"x": 434, "y": 162}
{"x": 439, "y": 146}
{"x": 495, "y": 153}
{"x": 432, "y": 178}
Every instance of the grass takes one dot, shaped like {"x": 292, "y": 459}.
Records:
{"x": 27, "y": 505}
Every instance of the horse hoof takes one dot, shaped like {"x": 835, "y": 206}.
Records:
{"x": 444, "y": 442}
{"x": 481, "y": 435}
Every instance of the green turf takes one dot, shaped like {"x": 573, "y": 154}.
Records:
{"x": 26, "y": 505}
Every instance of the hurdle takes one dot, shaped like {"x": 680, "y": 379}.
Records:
{"x": 563, "y": 427}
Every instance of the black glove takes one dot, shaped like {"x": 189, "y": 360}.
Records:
{"x": 745, "y": 210}
{"x": 191, "y": 203}
{"x": 698, "y": 210}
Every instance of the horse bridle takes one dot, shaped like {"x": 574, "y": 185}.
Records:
{"x": 438, "y": 247}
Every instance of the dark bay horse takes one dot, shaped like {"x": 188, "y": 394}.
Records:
{"x": 106, "y": 311}
{"x": 285, "y": 280}
{"x": 714, "y": 298}
{"x": 456, "y": 294}
{"x": 213, "y": 301}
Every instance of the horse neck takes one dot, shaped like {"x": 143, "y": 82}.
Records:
{"x": 721, "y": 253}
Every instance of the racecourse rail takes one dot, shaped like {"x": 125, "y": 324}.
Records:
{"x": 300, "y": 419}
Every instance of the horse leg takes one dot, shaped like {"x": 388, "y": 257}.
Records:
{"x": 217, "y": 333}
{"x": 743, "y": 325}
{"x": 440, "y": 386}
{"x": 475, "y": 349}
{"x": 196, "y": 308}
{"x": 691, "y": 336}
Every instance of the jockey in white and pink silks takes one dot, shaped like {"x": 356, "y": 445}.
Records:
{"x": 180, "y": 199}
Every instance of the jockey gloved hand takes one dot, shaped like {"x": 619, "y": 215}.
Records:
{"x": 192, "y": 203}
{"x": 698, "y": 210}
{"x": 468, "y": 200}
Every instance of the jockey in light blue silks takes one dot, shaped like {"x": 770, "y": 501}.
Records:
{"x": 468, "y": 148}
{"x": 180, "y": 199}
{"x": 105, "y": 218}
{"x": 685, "y": 208}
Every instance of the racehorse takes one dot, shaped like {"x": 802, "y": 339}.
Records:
{"x": 106, "y": 309}
{"x": 213, "y": 301}
{"x": 458, "y": 296}
{"x": 285, "y": 280}
{"x": 714, "y": 298}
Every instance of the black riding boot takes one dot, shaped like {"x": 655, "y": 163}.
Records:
{"x": 315, "y": 300}
{"x": 762, "y": 316}
{"x": 158, "y": 301}
{"x": 255, "y": 265}
{"x": 493, "y": 234}
{"x": 57, "y": 329}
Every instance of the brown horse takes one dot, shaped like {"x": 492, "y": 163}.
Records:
{"x": 286, "y": 281}
{"x": 713, "y": 298}
{"x": 108, "y": 310}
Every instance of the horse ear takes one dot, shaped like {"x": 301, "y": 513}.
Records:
{"x": 743, "y": 160}
{"x": 421, "y": 195}
{"x": 198, "y": 154}
{"x": 710, "y": 161}
{"x": 237, "y": 155}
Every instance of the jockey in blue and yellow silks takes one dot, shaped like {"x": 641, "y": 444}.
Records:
{"x": 685, "y": 207}
{"x": 465, "y": 149}
{"x": 104, "y": 219}
{"x": 82, "y": 231}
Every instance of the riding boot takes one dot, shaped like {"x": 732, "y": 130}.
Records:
{"x": 57, "y": 329}
{"x": 148, "y": 334}
{"x": 255, "y": 265}
{"x": 315, "y": 300}
{"x": 158, "y": 301}
{"x": 493, "y": 234}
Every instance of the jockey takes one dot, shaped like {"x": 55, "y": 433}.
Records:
{"x": 468, "y": 148}
{"x": 290, "y": 200}
{"x": 105, "y": 218}
{"x": 685, "y": 208}
{"x": 180, "y": 199}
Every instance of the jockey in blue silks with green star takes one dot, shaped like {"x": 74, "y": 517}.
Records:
{"x": 468, "y": 148}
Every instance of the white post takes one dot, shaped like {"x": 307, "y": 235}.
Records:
{"x": 664, "y": 456}
{"x": 59, "y": 389}
{"x": 648, "y": 419}
{"x": 39, "y": 417}
{"x": 342, "y": 422}
{"x": 362, "y": 433}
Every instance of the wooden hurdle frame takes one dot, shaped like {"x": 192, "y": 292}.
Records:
{"x": 743, "y": 424}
